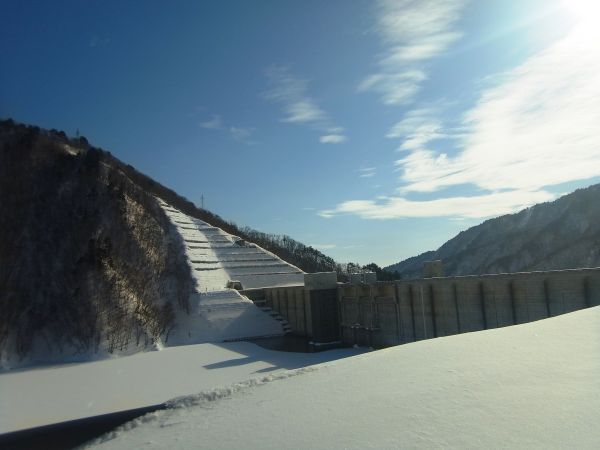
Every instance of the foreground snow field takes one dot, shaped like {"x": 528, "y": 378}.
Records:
{"x": 41, "y": 396}
{"x": 533, "y": 385}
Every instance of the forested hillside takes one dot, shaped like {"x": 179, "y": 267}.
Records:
{"x": 88, "y": 259}
{"x": 562, "y": 234}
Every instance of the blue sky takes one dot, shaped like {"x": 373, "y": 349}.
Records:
{"x": 371, "y": 130}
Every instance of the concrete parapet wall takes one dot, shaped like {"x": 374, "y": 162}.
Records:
{"x": 363, "y": 278}
{"x": 391, "y": 313}
{"x": 320, "y": 280}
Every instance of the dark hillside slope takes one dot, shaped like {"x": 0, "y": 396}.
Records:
{"x": 87, "y": 259}
{"x": 561, "y": 234}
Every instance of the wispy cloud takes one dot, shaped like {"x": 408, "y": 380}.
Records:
{"x": 213, "y": 124}
{"x": 291, "y": 93}
{"x": 98, "y": 41}
{"x": 239, "y": 134}
{"x": 471, "y": 207}
{"x": 417, "y": 129}
{"x": 302, "y": 111}
{"x": 367, "y": 172}
{"x": 298, "y": 106}
{"x": 537, "y": 127}
{"x": 332, "y": 139}
{"x": 412, "y": 32}
{"x": 323, "y": 246}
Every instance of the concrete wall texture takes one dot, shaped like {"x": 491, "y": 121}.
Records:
{"x": 391, "y": 313}
{"x": 382, "y": 314}
{"x": 310, "y": 309}
{"x": 293, "y": 304}
{"x": 310, "y": 312}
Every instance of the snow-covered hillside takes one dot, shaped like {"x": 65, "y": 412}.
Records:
{"x": 528, "y": 386}
{"x": 218, "y": 313}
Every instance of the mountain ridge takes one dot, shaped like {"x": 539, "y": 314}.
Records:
{"x": 561, "y": 234}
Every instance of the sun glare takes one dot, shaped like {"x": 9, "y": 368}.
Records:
{"x": 585, "y": 10}
{"x": 587, "y": 15}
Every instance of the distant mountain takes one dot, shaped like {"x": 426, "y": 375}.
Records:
{"x": 561, "y": 234}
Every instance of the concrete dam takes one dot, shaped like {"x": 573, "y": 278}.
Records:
{"x": 242, "y": 291}
{"x": 382, "y": 314}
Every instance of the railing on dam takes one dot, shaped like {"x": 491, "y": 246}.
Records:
{"x": 382, "y": 314}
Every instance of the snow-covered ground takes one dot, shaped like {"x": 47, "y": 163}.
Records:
{"x": 45, "y": 395}
{"x": 535, "y": 385}
{"x": 216, "y": 257}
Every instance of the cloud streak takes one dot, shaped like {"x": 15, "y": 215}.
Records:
{"x": 412, "y": 32}
{"x": 213, "y": 124}
{"x": 323, "y": 246}
{"x": 241, "y": 134}
{"x": 417, "y": 129}
{"x": 98, "y": 41}
{"x": 332, "y": 139}
{"x": 475, "y": 207}
{"x": 367, "y": 172}
{"x": 298, "y": 106}
{"x": 537, "y": 127}
{"x": 238, "y": 134}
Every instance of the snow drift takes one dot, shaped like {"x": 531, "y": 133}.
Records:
{"x": 533, "y": 385}
{"x": 53, "y": 394}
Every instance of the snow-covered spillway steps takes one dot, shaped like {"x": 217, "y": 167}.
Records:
{"x": 219, "y": 313}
